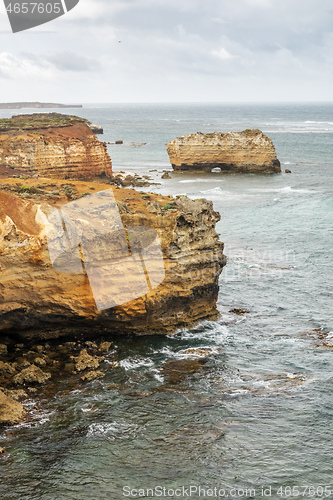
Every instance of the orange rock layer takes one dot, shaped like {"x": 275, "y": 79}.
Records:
{"x": 247, "y": 151}
{"x": 47, "y": 295}
{"x": 71, "y": 152}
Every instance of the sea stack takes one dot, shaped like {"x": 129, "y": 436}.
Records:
{"x": 53, "y": 145}
{"x": 235, "y": 152}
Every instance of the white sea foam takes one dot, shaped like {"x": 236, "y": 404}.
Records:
{"x": 132, "y": 363}
{"x": 283, "y": 190}
{"x": 112, "y": 430}
{"x": 188, "y": 181}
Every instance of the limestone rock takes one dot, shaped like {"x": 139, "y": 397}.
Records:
{"x": 30, "y": 375}
{"x": 11, "y": 411}
{"x": 97, "y": 129}
{"x": 40, "y": 361}
{"x": 84, "y": 361}
{"x": 6, "y": 369}
{"x": 247, "y": 151}
{"x": 50, "y": 303}
{"x": 59, "y": 152}
{"x": 3, "y": 349}
{"x": 16, "y": 394}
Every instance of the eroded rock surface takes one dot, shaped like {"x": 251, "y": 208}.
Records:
{"x": 66, "y": 150}
{"x": 247, "y": 151}
{"x": 31, "y": 375}
{"x": 84, "y": 361}
{"x": 11, "y": 411}
{"x": 41, "y": 300}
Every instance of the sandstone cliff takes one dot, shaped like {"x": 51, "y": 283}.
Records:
{"x": 89, "y": 277}
{"x": 54, "y": 146}
{"x": 247, "y": 151}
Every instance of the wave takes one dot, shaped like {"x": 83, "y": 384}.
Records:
{"x": 188, "y": 181}
{"x": 112, "y": 430}
{"x": 131, "y": 363}
{"x": 284, "y": 190}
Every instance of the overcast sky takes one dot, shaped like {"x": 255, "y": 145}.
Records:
{"x": 173, "y": 51}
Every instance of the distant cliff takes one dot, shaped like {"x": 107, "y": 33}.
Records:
{"x": 53, "y": 145}
{"x": 50, "y": 105}
{"x": 247, "y": 151}
{"x": 44, "y": 290}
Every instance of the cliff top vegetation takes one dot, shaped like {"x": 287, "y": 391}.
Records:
{"x": 37, "y": 121}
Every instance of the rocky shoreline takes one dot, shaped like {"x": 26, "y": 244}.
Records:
{"x": 29, "y": 371}
{"x": 56, "y": 320}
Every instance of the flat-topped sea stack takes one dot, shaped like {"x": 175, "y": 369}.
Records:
{"x": 248, "y": 151}
{"x": 52, "y": 145}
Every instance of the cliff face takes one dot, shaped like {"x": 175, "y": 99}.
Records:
{"x": 61, "y": 152}
{"x": 247, "y": 151}
{"x": 115, "y": 261}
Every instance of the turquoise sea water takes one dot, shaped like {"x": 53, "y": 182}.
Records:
{"x": 259, "y": 412}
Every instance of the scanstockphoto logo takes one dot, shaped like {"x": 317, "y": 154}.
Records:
{"x": 24, "y": 15}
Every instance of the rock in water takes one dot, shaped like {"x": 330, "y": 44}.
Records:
{"x": 247, "y": 151}
{"x": 84, "y": 360}
{"x": 11, "y": 411}
{"x": 97, "y": 129}
{"x": 31, "y": 375}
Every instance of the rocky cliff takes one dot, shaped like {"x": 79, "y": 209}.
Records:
{"x": 115, "y": 261}
{"x": 247, "y": 151}
{"x": 54, "y": 146}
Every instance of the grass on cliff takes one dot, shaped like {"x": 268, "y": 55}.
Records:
{"x": 37, "y": 121}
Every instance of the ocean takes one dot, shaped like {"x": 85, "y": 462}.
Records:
{"x": 255, "y": 420}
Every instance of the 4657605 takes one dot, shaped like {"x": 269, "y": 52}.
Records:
{"x": 34, "y": 8}
{"x": 305, "y": 491}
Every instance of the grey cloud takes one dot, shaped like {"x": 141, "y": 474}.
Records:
{"x": 289, "y": 42}
{"x": 69, "y": 61}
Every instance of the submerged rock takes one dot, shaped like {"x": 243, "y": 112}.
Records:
{"x": 105, "y": 346}
{"x": 247, "y": 151}
{"x": 176, "y": 370}
{"x": 239, "y": 311}
{"x": 92, "y": 375}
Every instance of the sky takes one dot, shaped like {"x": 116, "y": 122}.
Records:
{"x": 105, "y": 51}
